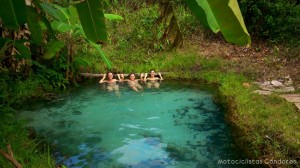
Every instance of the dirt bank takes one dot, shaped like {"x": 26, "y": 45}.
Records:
{"x": 259, "y": 62}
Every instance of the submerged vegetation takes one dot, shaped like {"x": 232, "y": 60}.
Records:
{"x": 266, "y": 127}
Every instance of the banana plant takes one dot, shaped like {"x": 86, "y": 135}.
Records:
{"x": 13, "y": 15}
{"x": 66, "y": 20}
{"x": 222, "y": 16}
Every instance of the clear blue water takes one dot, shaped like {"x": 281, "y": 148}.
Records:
{"x": 175, "y": 126}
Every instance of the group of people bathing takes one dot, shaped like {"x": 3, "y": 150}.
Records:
{"x": 132, "y": 81}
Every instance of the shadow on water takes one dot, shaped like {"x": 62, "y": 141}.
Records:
{"x": 90, "y": 127}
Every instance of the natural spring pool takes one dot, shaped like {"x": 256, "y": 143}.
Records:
{"x": 176, "y": 126}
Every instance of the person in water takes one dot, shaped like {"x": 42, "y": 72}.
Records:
{"x": 121, "y": 77}
{"x": 152, "y": 79}
{"x": 133, "y": 83}
{"x": 111, "y": 82}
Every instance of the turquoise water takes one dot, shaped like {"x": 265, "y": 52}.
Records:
{"x": 175, "y": 126}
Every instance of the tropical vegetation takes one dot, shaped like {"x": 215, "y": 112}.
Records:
{"x": 45, "y": 45}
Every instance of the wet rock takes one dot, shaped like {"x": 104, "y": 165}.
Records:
{"x": 268, "y": 88}
{"x": 282, "y": 85}
{"x": 276, "y": 83}
{"x": 286, "y": 89}
{"x": 266, "y": 83}
{"x": 263, "y": 92}
{"x": 288, "y": 82}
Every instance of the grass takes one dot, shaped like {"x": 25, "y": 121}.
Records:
{"x": 28, "y": 149}
{"x": 267, "y": 123}
{"x": 33, "y": 152}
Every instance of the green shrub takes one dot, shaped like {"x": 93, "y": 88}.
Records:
{"x": 274, "y": 20}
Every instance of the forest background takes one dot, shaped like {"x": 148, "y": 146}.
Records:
{"x": 139, "y": 42}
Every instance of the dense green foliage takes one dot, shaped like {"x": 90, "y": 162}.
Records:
{"x": 135, "y": 44}
{"x": 277, "y": 21}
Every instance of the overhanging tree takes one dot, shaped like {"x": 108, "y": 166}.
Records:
{"x": 219, "y": 15}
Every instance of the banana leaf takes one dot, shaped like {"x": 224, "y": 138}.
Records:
{"x": 62, "y": 10}
{"x": 61, "y": 26}
{"x": 23, "y": 51}
{"x": 202, "y": 11}
{"x": 52, "y": 11}
{"x": 74, "y": 18}
{"x": 92, "y": 20}
{"x": 224, "y": 16}
{"x": 33, "y": 20}
{"x": 53, "y": 48}
{"x": 230, "y": 20}
{"x": 13, "y": 13}
{"x": 45, "y": 24}
{"x": 78, "y": 31}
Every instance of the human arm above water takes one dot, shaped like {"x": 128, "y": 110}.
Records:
{"x": 121, "y": 77}
{"x": 142, "y": 75}
{"x": 161, "y": 78}
{"x": 145, "y": 76}
{"x": 102, "y": 80}
{"x": 152, "y": 76}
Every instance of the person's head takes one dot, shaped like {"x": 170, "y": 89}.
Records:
{"x": 152, "y": 72}
{"x": 132, "y": 76}
{"x": 122, "y": 76}
{"x": 110, "y": 75}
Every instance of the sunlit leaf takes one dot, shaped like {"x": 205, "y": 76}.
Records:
{"x": 33, "y": 20}
{"x": 63, "y": 10}
{"x": 198, "y": 11}
{"x": 230, "y": 21}
{"x": 53, "y": 48}
{"x": 74, "y": 18}
{"x": 224, "y": 16}
{"x": 79, "y": 32}
{"x": 13, "y": 13}
{"x": 61, "y": 26}
{"x": 92, "y": 20}
{"x": 52, "y": 11}
{"x": 113, "y": 17}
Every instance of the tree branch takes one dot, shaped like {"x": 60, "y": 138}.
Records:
{"x": 10, "y": 156}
